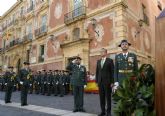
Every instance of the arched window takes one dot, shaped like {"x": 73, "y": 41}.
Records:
{"x": 76, "y": 33}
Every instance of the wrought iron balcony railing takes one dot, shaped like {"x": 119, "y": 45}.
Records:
{"x": 40, "y": 31}
{"x": 41, "y": 58}
{"x": 28, "y": 37}
{"x": 30, "y": 8}
{"x": 75, "y": 15}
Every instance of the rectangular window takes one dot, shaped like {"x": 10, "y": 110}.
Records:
{"x": 22, "y": 12}
{"x": 43, "y": 23}
{"x": 41, "y": 56}
{"x": 145, "y": 17}
{"x": 29, "y": 31}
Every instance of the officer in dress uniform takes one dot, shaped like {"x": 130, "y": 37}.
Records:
{"x": 78, "y": 82}
{"x": 24, "y": 76}
{"x": 125, "y": 64}
{"x": 10, "y": 78}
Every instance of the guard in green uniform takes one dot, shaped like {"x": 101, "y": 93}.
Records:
{"x": 24, "y": 76}
{"x": 37, "y": 82}
{"x": 9, "y": 78}
{"x": 61, "y": 83}
{"x": 43, "y": 82}
{"x": 125, "y": 63}
{"x": 78, "y": 82}
{"x": 55, "y": 82}
{"x": 31, "y": 81}
{"x": 49, "y": 82}
{"x": 67, "y": 82}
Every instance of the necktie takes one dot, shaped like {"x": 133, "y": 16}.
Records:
{"x": 102, "y": 63}
{"x": 125, "y": 56}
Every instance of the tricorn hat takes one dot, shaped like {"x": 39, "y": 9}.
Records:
{"x": 10, "y": 67}
{"x": 78, "y": 57}
{"x": 124, "y": 41}
{"x": 26, "y": 63}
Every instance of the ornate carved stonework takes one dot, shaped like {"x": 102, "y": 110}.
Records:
{"x": 58, "y": 10}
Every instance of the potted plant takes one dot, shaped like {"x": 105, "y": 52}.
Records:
{"x": 135, "y": 96}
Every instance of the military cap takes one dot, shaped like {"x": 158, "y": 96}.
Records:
{"x": 122, "y": 41}
{"x": 77, "y": 57}
{"x": 26, "y": 63}
{"x": 10, "y": 67}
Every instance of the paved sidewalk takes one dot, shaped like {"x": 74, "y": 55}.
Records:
{"x": 46, "y": 110}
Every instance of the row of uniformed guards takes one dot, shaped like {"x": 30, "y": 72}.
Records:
{"x": 51, "y": 82}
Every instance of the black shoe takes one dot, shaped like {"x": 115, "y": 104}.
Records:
{"x": 75, "y": 110}
{"x": 8, "y": 102}
{"x": 82, "y": 110}
{"x": 24, "y": 104}
{"x": 102, "y": 114}
{"x": 108, "y": 114}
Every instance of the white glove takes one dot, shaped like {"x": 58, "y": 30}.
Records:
{"x": 44, "y": 82}
{"x": 49, "y": 83}
{"x": 5, "y": 83}
{"x": 73, "y": 61}
{"x": 30, "y": 84}
{"x": 116, "y": 84}
{"x": 21, "y": 82}
{"x": 114, "y": 88}
{"x": 56, "y": 83}
{"x": 38, "y": 83}
{"x": 85, "y": 86}
{"x": 63, "y": 84}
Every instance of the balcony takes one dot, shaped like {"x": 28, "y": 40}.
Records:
{"x": 30, "y": 9}
{"x": 41, "y": 58}
{"x": 27, "y": 37}
{"x": 41, "y": 31}
{"x": 14, "y": 42}
{"x": 75, "y": 15}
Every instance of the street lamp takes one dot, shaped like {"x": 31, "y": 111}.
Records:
{"x": 140, "y": 24}
{"x": 94, "y": 24}
{"x": 51, "y": 37}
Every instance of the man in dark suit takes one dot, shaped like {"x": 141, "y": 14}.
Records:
{"x": 78, "y": 82}
{"x": 104, "y": 79}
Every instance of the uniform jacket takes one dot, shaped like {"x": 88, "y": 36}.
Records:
{"x": 122, "y": 63}
{"x": 78, "y": 77}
